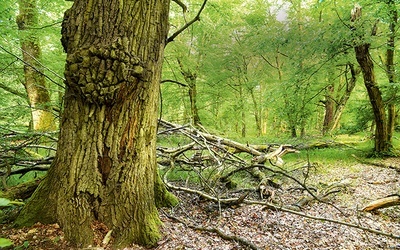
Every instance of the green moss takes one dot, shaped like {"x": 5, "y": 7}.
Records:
{"x": 163, "y": 197}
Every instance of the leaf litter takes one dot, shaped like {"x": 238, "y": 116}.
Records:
{"x": 197, "y": 223}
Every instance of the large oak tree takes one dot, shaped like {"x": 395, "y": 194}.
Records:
{"x": 105, "y": 167}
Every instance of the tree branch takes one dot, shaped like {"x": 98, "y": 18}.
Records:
{"x": 218, "y": 231}
{"x": 183, "y": 6}
{"x": 195, "y": 19}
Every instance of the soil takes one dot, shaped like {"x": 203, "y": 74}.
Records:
{"x": 200, "y": 224}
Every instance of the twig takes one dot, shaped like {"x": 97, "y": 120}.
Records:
{"x": 283, "y": 209}
{"x": 301, "y": 184}
{"x": 240, "y": 240}
{"x": 280, "y": 208}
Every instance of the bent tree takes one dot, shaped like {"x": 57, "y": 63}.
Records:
{"x": 364, "y": 59}
{"x": 105, "y": 168}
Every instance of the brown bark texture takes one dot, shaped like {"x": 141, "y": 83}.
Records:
{"x": 105, "y": 167}
{"x": 364, "y": 59}
{"x": 190, "y": 79}
{"x": 34, "y": 83}
{"x": 338, "y": 101}
{"x": 375, "y": 97}
{"x": 390, "y": 66}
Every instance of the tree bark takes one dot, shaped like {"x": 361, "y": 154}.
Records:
{"x": 375, "y": 96}
{"x": 190, "y": 79}
{"x": 329, "y": 109}
{"x": 105, "y": 167}
{"x": 390, "y": 67}
{"x": 363, "y": 56}
{"x": 35, "y": 83}
{"x": 350, "y": 84}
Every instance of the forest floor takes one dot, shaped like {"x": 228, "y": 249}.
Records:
{"x": 198, "y": 224}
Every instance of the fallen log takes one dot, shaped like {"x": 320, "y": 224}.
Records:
{"x": 389, "y": 201}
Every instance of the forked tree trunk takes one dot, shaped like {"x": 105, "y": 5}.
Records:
{"x": 34, "y": 83}
{"x": 105, "y": 167}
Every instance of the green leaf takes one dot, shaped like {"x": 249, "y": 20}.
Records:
{"x": 26, "y": 244}
{"x": 4, "y": 202}
{"x": 5, "y": 243}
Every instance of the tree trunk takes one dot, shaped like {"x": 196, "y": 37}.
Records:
{"x": 105, "y": 167}
{"x": 190, "y": 79}
{"x": 257, "y": 113}
{"x": 350, "y": 84}
{"x": 329, "y": 110}
{"x": 390, "y": 67}
{"x": 364, "y": 59}
{"x": 35, "y": 84}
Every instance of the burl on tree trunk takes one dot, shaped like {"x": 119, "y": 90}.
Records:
{"x": 105, "y": 168}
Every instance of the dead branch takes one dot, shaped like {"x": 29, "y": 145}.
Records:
{"x": 283, "y": 209}
{"x": 271, "y": 206}
{"x": 324, "y": 194}
{"x": 310, "y": 192}
{"x": 219, "y": 232}
{"x": 391, "y": 200}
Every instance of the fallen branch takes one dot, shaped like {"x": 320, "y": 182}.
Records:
{"x": 242, "y": 241}
{"x": 280, "y": 208}
{"x": 392, "y": 200}
{"x": 271, "y": 206}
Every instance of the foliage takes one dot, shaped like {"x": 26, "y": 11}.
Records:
{"x": 5, "y": 243}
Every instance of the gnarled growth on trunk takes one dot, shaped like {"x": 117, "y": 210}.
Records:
{"x": 105, "y": 167}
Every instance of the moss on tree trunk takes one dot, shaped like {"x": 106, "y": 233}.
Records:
{"x": 35, "y": 83}
{"x": 105, "y": 168}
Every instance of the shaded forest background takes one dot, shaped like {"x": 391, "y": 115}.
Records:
{"x": 247, "y": 69}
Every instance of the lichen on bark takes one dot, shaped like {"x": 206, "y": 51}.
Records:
{"x": 105, "y": 167}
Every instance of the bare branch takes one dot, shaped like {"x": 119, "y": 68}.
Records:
{"x": 195, "y": 19}
{"x": 183, "y": 6}
{"x": 173, "y": 81}
{"x": 240, "y": 240}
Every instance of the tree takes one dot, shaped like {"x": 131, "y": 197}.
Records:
{"x": 364, "y": 59}
{"x": 35, "y": 82}
{"x": 390, "y": 66}
{"x": 105, "y": 167}
{"x": 337, "y": 95}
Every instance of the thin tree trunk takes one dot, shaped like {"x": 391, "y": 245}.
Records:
{"x": 190, "y": 79}
{"x": 390, "y": 67}
{"x": 329, "y": 110}
{"x": 105, "y": 168}
{"x": 34, "y": 83}
{"x": 257, "y": 112}
{"x": 350, "y": 84}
